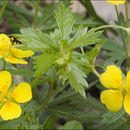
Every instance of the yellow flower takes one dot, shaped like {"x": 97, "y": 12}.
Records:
{"x": 10, "y": 97}
{"x": 116, "y": 2}
{"x": 119, "y": 89}
{"x": 11, "y": 53}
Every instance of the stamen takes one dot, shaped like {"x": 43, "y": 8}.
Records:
{"x": 15, "y": 43}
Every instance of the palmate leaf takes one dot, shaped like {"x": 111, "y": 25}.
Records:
{"x": 77, "y": 78}
{"x": 65, "y": 21}
{"x": 43, "y": 62}
{"x": 35, "y": 39}
{"x": 115, "y": 52}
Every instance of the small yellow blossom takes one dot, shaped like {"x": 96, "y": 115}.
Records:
{"x": 116, "y": 2}
{"x": 10, "y": 97}
{"x": 11, "y": 53}
{"x": 119, "y": 89}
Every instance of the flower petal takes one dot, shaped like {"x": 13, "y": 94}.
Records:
{"x": 127, "y": 103}
{"x": 20, "y": 53}
{"x": 4, "y": 42}
{"x": 116, "y": 2}
{"x": 112, "y": 77}
{"x": 14, "y": 60}
{"x": 22, "y": 93}
{"x": 5, "y": 81}
{"x": 128, "y": 79}
{"x": 112, "y": 99}
{"x": 10, "y": 111}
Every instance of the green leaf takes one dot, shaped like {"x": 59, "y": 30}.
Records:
{"x": 90, "y": 57}
{"x": 70, "y": 94}
{"x": 89, "y": 39}
{"x": 65, "y": 21}
{"x": 91, "y": 102}
{"x": 50, "y": 123}
{"x": 43, "y": 93}
{"x": 87, "y": 61}
{"x": 80, "y": 32}
{"x": 23, "y": 11}
{"x": 73, "y": 125}
{"x": 77, "y": 78}
{"x": 115, "y": 52}
{"x": 111, "y": 117}
{"x": 35, "y": 39}
{"x": 84, "y": 38}
{"x": 55, "y": 36}
{"x": 81, "y": 20}
{"x": 43, "y": 62}
{"x": 21, "y": 71}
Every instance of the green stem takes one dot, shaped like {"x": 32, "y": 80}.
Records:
{"x": 36, "y": 14}
{"x": 4, "y": 64}
{"x": 95, "y": 29}
{"x": 82, "y": 50}
{"x": 124, "y": 45}
{"x": 128, "y": 37}
{"x": 35, "y": 80}
{"x": 3, "y": 8}
{"x": 96, "y": 73}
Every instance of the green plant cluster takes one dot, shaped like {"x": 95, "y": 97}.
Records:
{"x": 63, "y": 71}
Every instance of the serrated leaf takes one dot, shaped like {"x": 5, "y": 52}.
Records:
{"x": 89, "y": 39}
{"x": 43, "y": 62}
{"x": 55, "y": 36}
{"x": 77, "y": 79}
{"x": 35, "y": 39}
{"x": 80, "y": 32}
{"x": 74, "y": 125}
{"x": 65, "y": 21}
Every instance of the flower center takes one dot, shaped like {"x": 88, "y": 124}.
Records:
{"x": 123, "y": 90}
{"x": 4, "y": 97}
